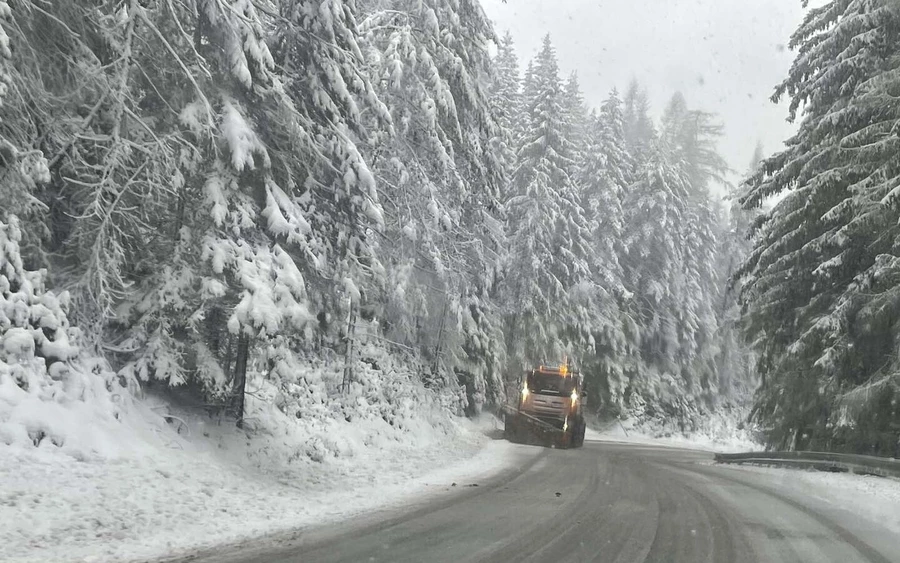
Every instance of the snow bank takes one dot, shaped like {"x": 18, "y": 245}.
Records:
{"x": 51, "y": 394}
{"x": 717, "y": 432}
{"x": 876, "y": 499}
{"x": 165, "y": 478}
{"x": 194, "y": 483}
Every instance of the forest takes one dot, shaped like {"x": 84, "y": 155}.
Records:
{"x": 207, "y": 197}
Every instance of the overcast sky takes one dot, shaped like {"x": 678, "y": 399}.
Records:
{"x": 725, "y": 56}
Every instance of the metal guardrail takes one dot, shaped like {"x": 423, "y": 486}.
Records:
{"x": 823, "y": 461}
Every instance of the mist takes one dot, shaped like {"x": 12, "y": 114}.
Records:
{"x": 725, "y": 56}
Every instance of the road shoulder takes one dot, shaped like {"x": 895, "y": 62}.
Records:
{"x": 497, "y": 463}
{"x": 176, "y": 498}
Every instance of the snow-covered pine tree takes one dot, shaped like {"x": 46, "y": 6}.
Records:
{"x": 607, "y": 170}
{"x": 506, "y": 100}
{"x": 576, "y": 117}
{"x": 50, "y": 96}
{"x": 656, "y": 212}
{"x": 670, "y": 265}
{"x": 43, "y": 373}
{"x": 528, "y": 89}
{"x": 821, "y": 283}
{"x": 549, "y": 235}
{"x": 612, "y": 143}
{"x": 703, "y": 291}
{"x": 42, "y": 368}
{"x": 737, "y": 377}
{"x": 227, "y": 277}
{"x": 638, "y": 125}
{"x": 757, "y": 158}
{"x": 441, "y": 173}
{"x": 20, "y": 170}
{"x": 602, "y": 170}
{"x": 603, "y": 173}
{"x": 692, "y": 135}
{"x": 320, "y": 49}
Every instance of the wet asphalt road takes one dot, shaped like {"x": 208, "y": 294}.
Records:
{"x": 607, "y": 503}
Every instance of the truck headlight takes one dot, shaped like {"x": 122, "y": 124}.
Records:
{"x": 574, "y": 396}
{"x": 524, "y": 392}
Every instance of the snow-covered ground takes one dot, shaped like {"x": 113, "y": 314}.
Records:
{"x": 876, "y": 499}
{"x": 159, "y": 489}
{"x": 157, "y": 492}
{"x": 719, "y": 436}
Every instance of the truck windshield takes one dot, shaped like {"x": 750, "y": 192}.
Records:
{"x": 550, "y": 384}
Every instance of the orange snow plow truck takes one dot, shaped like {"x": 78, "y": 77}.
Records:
{"x": 547, "y": 409}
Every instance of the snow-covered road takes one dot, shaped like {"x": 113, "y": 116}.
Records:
{"x": 615, "y": 502}
{"x": 466, "y": 496}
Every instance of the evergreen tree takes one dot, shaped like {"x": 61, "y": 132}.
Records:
{"x": 506, "y": 100}
{"x": 656, "y": 212}
{"x": 20, "y": 171}
{"x": 692, "y": 135}
{"x": 547, "y": 229}
{"x": 756, "y": 159}
{"x": 670, "y": 264}
{"x": 40, "y": 357}
{"x": 609, "y": 363}
{"x": 576, "y": 117}
{"x": 638, "y": 126}
{"x": 611, "y": 141}
{"x": 820, "y": 284}
{"x": 442, "y": 169}
{"x": 605, "y": 171}
{"x": 737, "y": 379}
{"x": 528, "y": 89}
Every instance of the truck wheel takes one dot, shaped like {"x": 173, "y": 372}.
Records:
{"x": 578, "y": 438}
{"x": 509, "y": 428}
{"x": 566, "y": 440}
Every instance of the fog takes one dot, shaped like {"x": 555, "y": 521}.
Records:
{"x": 725, "y": 56}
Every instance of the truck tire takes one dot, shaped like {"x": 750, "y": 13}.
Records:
{"x": 578, "y": 437}
{"x": 509, "y": 428}
{"x": 566, "y": 439}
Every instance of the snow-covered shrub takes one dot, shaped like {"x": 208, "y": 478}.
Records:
{"x": 385, "y": 405}
{"x": 50, "y": 393}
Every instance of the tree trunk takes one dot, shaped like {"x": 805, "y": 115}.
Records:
{"x": 437, "y": 347}
{"x": 348, "y": 355}
{"x": 239, "y": 383}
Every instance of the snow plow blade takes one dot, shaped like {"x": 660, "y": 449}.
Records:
{"x": 523, "y": 428}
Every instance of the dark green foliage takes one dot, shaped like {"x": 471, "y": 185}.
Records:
{"x": 820, "y": 284}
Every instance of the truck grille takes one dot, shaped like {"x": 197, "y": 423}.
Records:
{"x": 550, "y": 407}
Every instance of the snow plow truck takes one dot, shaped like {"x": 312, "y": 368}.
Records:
{"x": 547, "y": 409}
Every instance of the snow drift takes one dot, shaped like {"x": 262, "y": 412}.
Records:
{"x": 51, "y": 394}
